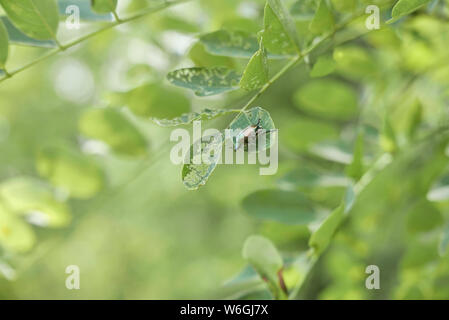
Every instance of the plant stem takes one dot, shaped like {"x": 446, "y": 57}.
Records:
{"x": 63, "y": 47}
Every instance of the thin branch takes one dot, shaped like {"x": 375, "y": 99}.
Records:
{"x": 63, "y": 47}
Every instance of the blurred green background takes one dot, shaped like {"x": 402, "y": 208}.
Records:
{"x": 137, "y": 233}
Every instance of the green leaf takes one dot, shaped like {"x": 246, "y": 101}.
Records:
{"x": 444, "y": 241}
{"x": 4, "y": 45}
{"x": 323, "y": 21}
{"x": 423, "y": 217}
{"x": 196, "y": 171}
{"x": 187, "y": 118}
{"x": 276, "y": 38}
{"x": 356, "y": 169}
{"x": 155, "y": 100}
{"x": 405, "y": 7}
{"x": 86, "y": 12}
{"x": 256, "y": 72}
{"x": 18, "y": 37}
{"x": 282, "y": 206}
{"x": 202, "y": 58}
{"x": 236, "y": 44}
{"x": 104, "y": 6}
{"x": 204, "y": 81}
{"x": 263, "y": 256}
{"x": 113, "y": 128}
{"x": 35, "y": 200}
{"x": 321, "y": 238}
{"x": 76, "y": 174}
{"x": 328, "y": 99}
{"x": 302, "y": 134}
{"x": 325, "y": 65}
{"x": 15, "y": 234}
{"x": 252, "y": 117}
{"x": 38, "y": 19}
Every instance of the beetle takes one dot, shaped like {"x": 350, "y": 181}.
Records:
{"x": 243, "y": 136}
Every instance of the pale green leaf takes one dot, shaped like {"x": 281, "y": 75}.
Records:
{"x": 405, "y": 7}
{"x": 204, "y": 81}
{"x": 4, "y": 45}
{"x": 113, "y": 128}
{"x": 263, "y": 256}
{"x": 38, "y": 19}
{"x": 323, "y": 21}
{"x": 328, "y": 99}
{"x": 324, "y": 65}
{"x": 256, "y": 72}
{"x": 34, "y": 200}
{"x": 104, "y": 6}
{"x": 236, "y": 44}
{"x": 15, "y": 234}
{"x": 76, "y": 174}
{"x": 187, "y": 118}
{"x": 286, "y": 207}
{"x": 201, "y": 161}
{"x": 18, "y": 37}
{"x": 278, "y": 37}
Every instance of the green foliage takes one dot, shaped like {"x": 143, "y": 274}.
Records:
{"x": 229, "y": 43}
{"x": 323, "y": 21}
{"x": 256, "y": 72}
{"x": 204, "y": 81}
{"x": 38, "y": 19}
{"x": 405, "y": 7}
{"x": 18, "y": 37}
{"x": 104, "y": 6}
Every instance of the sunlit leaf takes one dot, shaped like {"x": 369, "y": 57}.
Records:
{"x": 329, "y": 99}
{"x": 187, "y": 118}
{"x": 4, "y": 45}
{"x": 18, "y": 37}
{"x": 279, "y": 34}
{"x": 113, "y": 128}
{"x": 263, "y": 256}
{"x": 325, "y": 65}
{"x": 405, "y": 7}
{"x": 205, "y": 81}
{"x": 323, "y": 21}
{"x": 256, "y": 72}
{"x": 76, "y": 174}
{"x": 34, "y": 200}
{"x": 15, "y": 234}
{"x": 38, "y": 19}
{"x": 281, "y": 206}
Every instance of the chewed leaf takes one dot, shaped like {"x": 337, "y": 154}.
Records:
{"x": 18, "y": 37}
{"x": 4, "y": 45}
{"x": 201, "y": 161}
{"x": 15, "y": 234}
{"x": 256, "y": 72}
{"x": 205, "y": 81}
{"x": 206, "y": 114}
{"x": 34, "y": 200}
{"x": 236, "y": 44}
{"x": 39, "y": 19}
{"x": 277, "y": 38}
{"x": 281, "y": 206}
{"x": 405, "y": 7}
{"x": 250, "y": 118}
{"x": 263, "y": 256}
